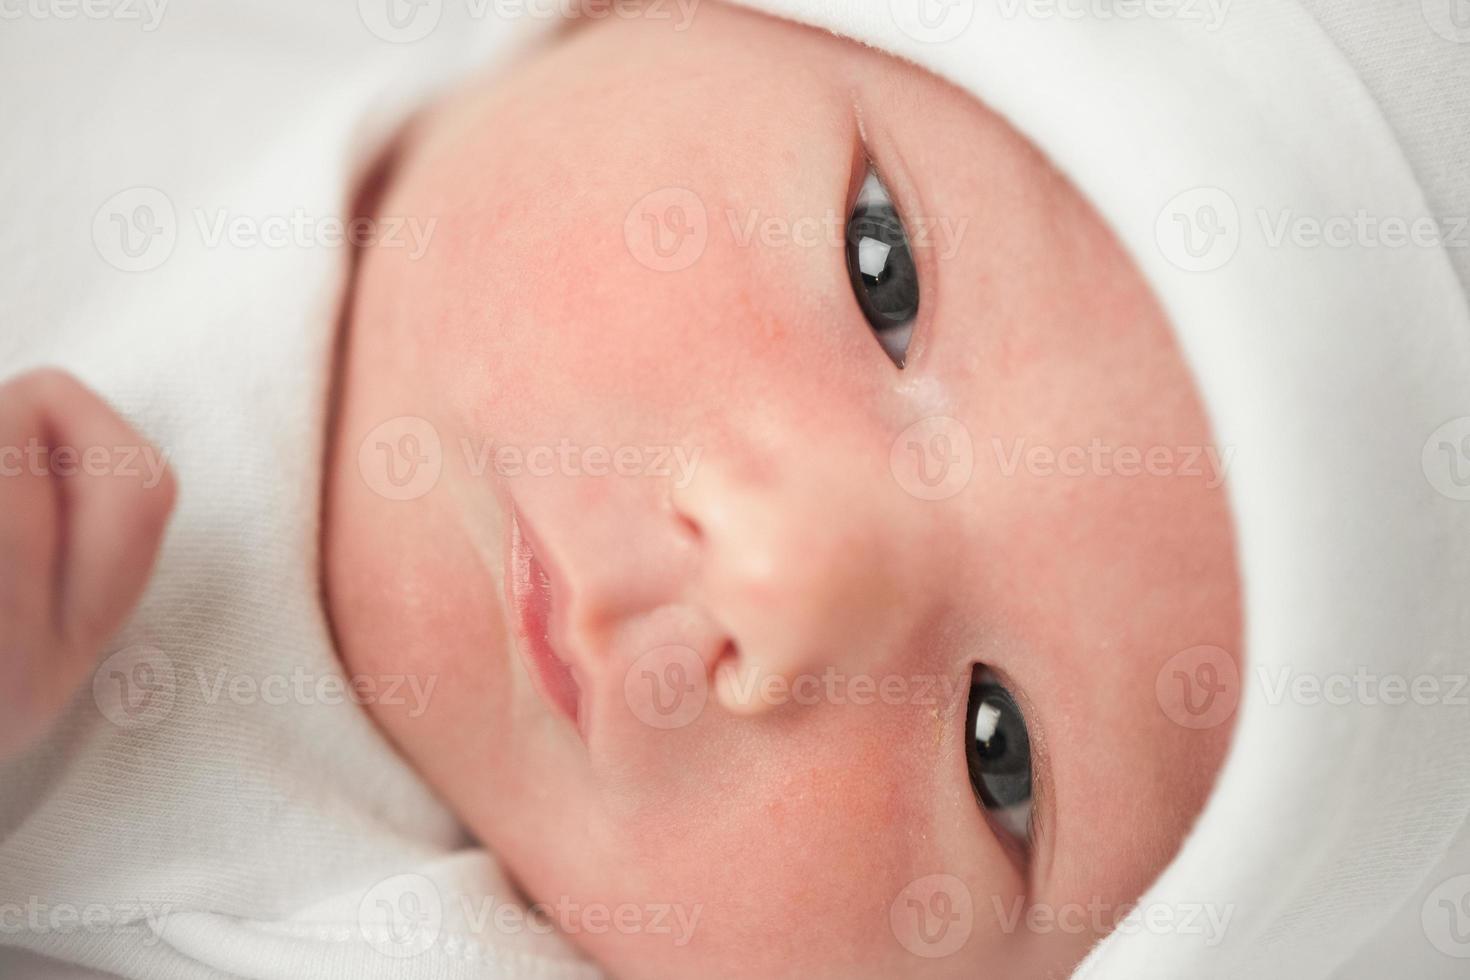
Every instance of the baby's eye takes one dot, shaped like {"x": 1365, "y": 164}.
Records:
{"x": 999, "y": 753}
{"x": 881, "y": 267}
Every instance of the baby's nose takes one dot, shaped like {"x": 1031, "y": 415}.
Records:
{"x": 803, "y": 560}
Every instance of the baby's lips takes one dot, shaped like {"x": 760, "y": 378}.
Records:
{"x": 532, "y": 596}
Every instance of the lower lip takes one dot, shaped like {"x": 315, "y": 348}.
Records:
{"x": 531, "y": 597}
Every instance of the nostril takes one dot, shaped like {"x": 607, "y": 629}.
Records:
{"x": 736, "y": 680}
{"x": 688, "y": 527}
{"x": 726, "y": 658}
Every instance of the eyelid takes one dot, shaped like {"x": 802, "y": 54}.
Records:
{"x": 874, "y": 149}
{"x": 1043, "y": 800}
{"x": 1018, "y": 847}
{"x": 857, "y": 173}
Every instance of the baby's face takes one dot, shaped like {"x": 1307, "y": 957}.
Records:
{"x": 714, "y": 629}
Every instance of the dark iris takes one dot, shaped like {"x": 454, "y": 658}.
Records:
{"x": 997, "y": 747}
{"x": 880, "y": 265}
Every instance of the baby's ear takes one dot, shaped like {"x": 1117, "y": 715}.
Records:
{"x": 84, "y": 501}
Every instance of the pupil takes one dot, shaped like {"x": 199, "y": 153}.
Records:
{"x": 879, "y": 256}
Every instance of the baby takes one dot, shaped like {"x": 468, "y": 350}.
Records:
{"x": 802, "y": 506}
{"x": 1008, "y": 626}
{"x": 1041, "y": 607}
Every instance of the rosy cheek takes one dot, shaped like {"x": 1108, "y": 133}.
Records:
{"x": 849, "y": 817}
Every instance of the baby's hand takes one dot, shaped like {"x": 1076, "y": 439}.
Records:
{"x": 78, "y": 535}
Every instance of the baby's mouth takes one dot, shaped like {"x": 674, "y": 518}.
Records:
{"x": 531, "y": 597}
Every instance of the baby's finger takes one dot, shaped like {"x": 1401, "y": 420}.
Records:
{"x": 32, "y": 665}
{"x": 114, "y": 514}
{"x": 82, "y": 530}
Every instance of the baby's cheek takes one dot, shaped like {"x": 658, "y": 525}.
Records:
{"x": 805, "y": 840}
